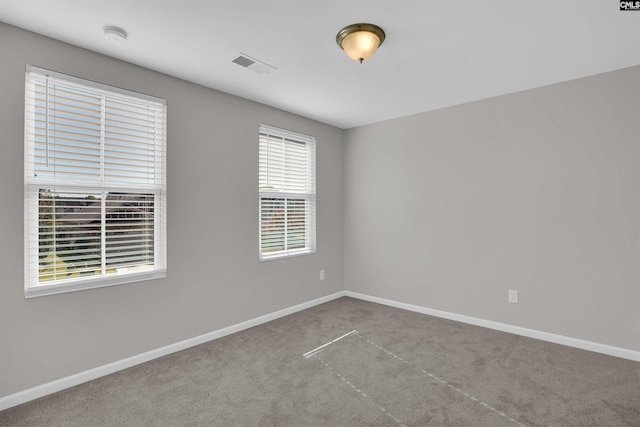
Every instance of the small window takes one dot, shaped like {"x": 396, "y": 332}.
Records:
{"x": 94, "y": 184}
{"x": 287, "y": 186}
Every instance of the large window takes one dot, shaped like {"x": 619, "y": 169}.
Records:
{"x": 94, "y": 184}
{"x": 287, "y": 185}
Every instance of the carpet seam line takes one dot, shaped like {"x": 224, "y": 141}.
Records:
{"x": 486, "y": 405}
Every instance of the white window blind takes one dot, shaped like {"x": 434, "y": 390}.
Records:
{"x": 287, "y": 186}
{"x": 95, "y": 186}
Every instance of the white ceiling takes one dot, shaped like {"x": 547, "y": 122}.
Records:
{"x": 437, "y": 53}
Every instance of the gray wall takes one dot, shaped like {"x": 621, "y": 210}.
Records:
{"x": 214, "y": 278}
{"x": 536, "y": 191}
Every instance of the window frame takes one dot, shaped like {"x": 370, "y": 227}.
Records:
{"x": 33, "y": 185}
{"x": 309, "y": 195}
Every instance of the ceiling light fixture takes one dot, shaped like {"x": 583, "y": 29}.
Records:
{"x": 360, "y": 41}
{"x": 115, "y": 34}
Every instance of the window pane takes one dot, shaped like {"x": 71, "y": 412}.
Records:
{"x": 296, "y": 223}
{"x": 272, "y": 223}
{"x": 70, "y": 118}
{"x": 129, "y": 232}
{"x": 283, "y": 165}
{"x": 69, "y": 236}
{"x": 130, "y": 131}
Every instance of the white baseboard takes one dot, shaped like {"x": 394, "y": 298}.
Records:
{"x": 82, "y": 377}
{"x": 517, "y": 330}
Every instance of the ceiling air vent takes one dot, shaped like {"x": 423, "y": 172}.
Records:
{"x": 253, "y": 64}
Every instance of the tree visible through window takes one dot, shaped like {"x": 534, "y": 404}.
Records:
{"x": 287, "y": 193}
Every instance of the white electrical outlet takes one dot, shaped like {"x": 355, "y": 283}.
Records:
{"x": 513, "y": 296}
{"x": 321, "y": 274}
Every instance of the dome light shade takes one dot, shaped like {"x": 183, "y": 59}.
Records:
{"x": 360, "y": 41}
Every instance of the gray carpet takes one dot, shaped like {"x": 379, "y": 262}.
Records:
{"x": 393, "y": 368}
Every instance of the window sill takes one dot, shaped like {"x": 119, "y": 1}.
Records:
{"x": 100, "y": 282}
{"x": 285, "y": 255}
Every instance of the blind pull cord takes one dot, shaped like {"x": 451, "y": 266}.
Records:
{"x": 46, "y": 126}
